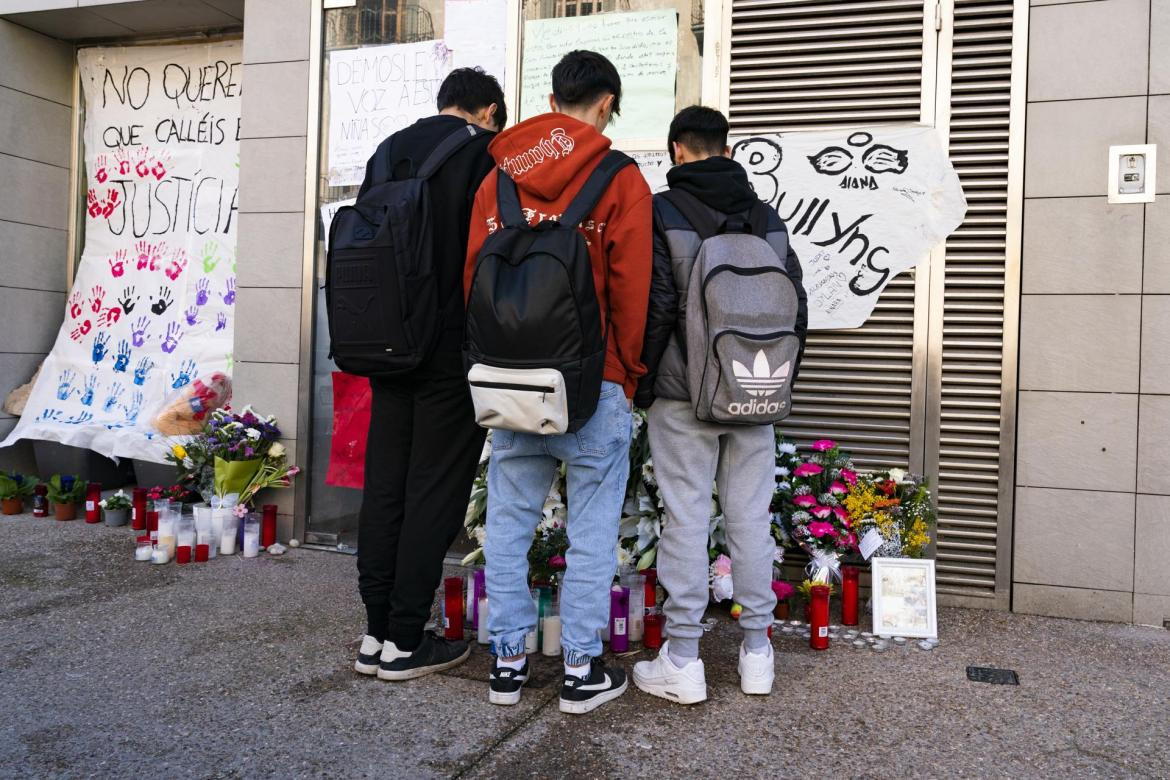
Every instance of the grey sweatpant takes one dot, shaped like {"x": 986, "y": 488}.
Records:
{"x": 688, "y": 455}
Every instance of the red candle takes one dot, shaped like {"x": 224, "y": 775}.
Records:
{"x": 268, "y": 526}
{"x": 183, "y": 553}
{"x": 152, "y": 524}
{"x": 453, "y": 608}
{"x": 849, "y": 578}
{"x": 93, "y": 497}
{"x": 138, "y": 518}
{"x": 652, "y": 631}
{"x": 651, "y": 583}
{"x": 819, "y": 618}
{"x": 40, "y": 501}
{"x": 201, "y": 551}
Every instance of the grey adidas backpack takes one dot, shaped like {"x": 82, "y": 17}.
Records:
{"x": 741, "y": 340}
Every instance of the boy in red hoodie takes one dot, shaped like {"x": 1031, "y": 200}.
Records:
{"x": 550, "y": 157}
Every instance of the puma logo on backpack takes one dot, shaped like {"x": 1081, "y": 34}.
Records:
{"x": 741, "y": 340}
{"x": 535, "y": 341}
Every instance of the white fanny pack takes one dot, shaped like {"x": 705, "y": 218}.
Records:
{"x": 527, "y": 400}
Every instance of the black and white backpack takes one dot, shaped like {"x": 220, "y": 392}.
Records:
{"x": 381, "y": 294}
{"x": 741, "y": 341}
{"x": 535, "y": 340}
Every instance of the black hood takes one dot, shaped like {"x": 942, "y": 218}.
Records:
{"x": 719, "y": 182}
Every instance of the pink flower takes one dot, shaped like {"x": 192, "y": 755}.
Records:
{"x": 849, "y": 476}
{"x": 838, "y": 488}
{"x": 557, "y": 562}
{"x": 806, "y": 500}
{"x": 819, "y": 529}
{"x": 821, "y": 511}
{"x": 722, "y": 566}
{"x": 294, "y": 470}
{"x": 850, "y": 541}
{"x": 782, "y": 590}
{"x": 240, "y": 511}
{"x": 807, "y": 470}
{"x": 842, "y": 515}
{"x": 821, "y": 445}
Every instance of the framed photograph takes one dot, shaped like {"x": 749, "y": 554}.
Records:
{"x": 903, "y": 597}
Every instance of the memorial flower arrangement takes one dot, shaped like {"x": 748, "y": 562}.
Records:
{"x": 118, "y": 501}
{"x": 811, "y": 513}
{"x": 234, "y": 455}
{"x": 899, "y": 506}
{"x": 163, "y": 493}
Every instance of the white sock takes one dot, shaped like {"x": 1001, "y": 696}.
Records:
{"x": 518, "y": 664}
{"x": 577, "y": 671}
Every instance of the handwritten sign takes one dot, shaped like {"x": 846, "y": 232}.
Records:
{"x": 643, "y": 46}
{"x": 861, "y": 205}
{"x": 654, "y": 166}
{"x": 375, "y": 91}
{"x": 153, "y": 303}
{"x": 476, "y": 31}
{"x": 328, "y": 212}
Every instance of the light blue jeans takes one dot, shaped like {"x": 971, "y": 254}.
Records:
{"x": 520, "y": 474}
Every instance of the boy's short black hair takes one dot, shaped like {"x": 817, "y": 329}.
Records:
{"x": 470, "y": 89}
{"x": 583, "y": 77}
{"x": 700, "y": 129}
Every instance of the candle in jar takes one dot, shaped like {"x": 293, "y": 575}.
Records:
{"x": 144, "y": 550}
{"x": 481, "y": 612}
{"x": 251, "y": 539}
{"x": 202, "y": 551}
{"x": 552, "y": 635}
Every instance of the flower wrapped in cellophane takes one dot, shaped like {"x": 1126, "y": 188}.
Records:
{"x": 812, "y": 512}
{"x": 899, "y": 506}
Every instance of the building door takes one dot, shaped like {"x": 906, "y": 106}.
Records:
{"x": 928, "y": 383}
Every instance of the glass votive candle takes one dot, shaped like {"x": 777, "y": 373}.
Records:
{"x": 183, "y": 553}
{"x": 201, "y": 553}
{"x": 251, "y": 537}
{"x": 144, "y": 550}
{"x": 227, "y": 537}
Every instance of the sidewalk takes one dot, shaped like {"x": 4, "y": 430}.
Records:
{"x": 243, "y": 668}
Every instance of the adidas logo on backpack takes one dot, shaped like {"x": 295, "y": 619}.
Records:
{"x": 741, "y": 312}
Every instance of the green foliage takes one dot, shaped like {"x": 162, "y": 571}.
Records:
{"x": 16, "y": 485}
{"x": 66, "y": 489}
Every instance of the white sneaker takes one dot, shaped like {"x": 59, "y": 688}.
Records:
{"x": 662, "y": 678}
{"x": 369, "y": 656}
{"x": 756, "y": 671}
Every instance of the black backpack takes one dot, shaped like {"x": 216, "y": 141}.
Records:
{"x": 535, "y": 343}
{"x": 381, "y": 295}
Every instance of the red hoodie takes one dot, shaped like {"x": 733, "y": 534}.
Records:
{"x": 550, "y": 156}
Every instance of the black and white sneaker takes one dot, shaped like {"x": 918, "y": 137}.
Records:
{"x": 582, "y": 694}
{"x": 506, "y": 683}
{"x": 369, "y": 656}
{"x": 434, "y": 654}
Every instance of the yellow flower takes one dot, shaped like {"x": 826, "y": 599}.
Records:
{"x": 179, "y": 452}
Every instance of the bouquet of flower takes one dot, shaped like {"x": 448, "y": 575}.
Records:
{"x": 812, "y": 513}
{"x": 172, "y": 493}
{"x": 234, "y": 455}
{"x": 118, "y": 501}
{"x": 899, "y": 506}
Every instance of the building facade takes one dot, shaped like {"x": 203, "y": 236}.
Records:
{"x": 1021, "y": 366}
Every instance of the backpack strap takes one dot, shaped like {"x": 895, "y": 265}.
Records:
{"x": 758, "y": 219}
{"x": 508, "y": 198}
{"x": 447, "y": 147}
{"x": 699, "y": 216}
{"x": 595, "y": 186}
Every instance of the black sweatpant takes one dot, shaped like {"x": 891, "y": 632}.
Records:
{"x": 423, "y": 449}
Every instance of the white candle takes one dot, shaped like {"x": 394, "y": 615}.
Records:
{"x": 482, "y": 629}
{"x": 552, "y": 635}
{"x": 144, "y": 552}
{"x": 160, "y": 555}
{"x": 251, "y": 540}
{"x": 530, "y": 642}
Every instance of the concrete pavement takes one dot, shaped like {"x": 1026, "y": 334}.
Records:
{"x": 242, "y": 668}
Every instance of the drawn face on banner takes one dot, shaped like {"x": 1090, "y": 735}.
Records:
{"x": 153, "y": 301}
{"x": 860, "y": 205}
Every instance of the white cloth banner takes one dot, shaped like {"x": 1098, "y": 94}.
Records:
{"x": 476, "y": 31}
{"x": 152, "y": 305}
{"x": 861, "y": 205}
{"x": 376, "y": 91}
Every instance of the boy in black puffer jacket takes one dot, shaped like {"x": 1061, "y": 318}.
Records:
{"x": 690, "y": 453}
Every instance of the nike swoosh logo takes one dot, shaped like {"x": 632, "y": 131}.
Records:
{"x": 601, "y": 686}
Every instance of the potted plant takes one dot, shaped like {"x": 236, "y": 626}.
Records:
{"x": 66, "y": 492}
{"x": 116, "y": 509}
{"x": 783, "y": 592}
{"x": 13, "y": 488}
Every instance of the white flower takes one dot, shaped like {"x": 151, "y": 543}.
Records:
{"x": 898, "y": 476}
{"x": 480, "y": 535}
{"x": 102, "y": 503}
{"x": 252, "y": 434}
{"x": 788, "y": 448}
{"x": 721, "y": 588}
{"x": 781, "y": 471}
{"x": 624, "y": 558}
{"x": 276, "y": 450}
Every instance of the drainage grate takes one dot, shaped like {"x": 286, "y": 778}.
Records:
{"x": 987, "y": 674}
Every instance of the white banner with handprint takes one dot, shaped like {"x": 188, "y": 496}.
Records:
{"x": 861, "y": 205}
{"x": 152, "y": 304}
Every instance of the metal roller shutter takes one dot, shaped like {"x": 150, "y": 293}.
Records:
{"x": 797, "y": 64}
{"x": 966, "y": 433}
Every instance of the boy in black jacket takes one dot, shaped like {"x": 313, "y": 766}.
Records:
{"x": 424, "y": 444}
{"x": 689, "y": 453}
